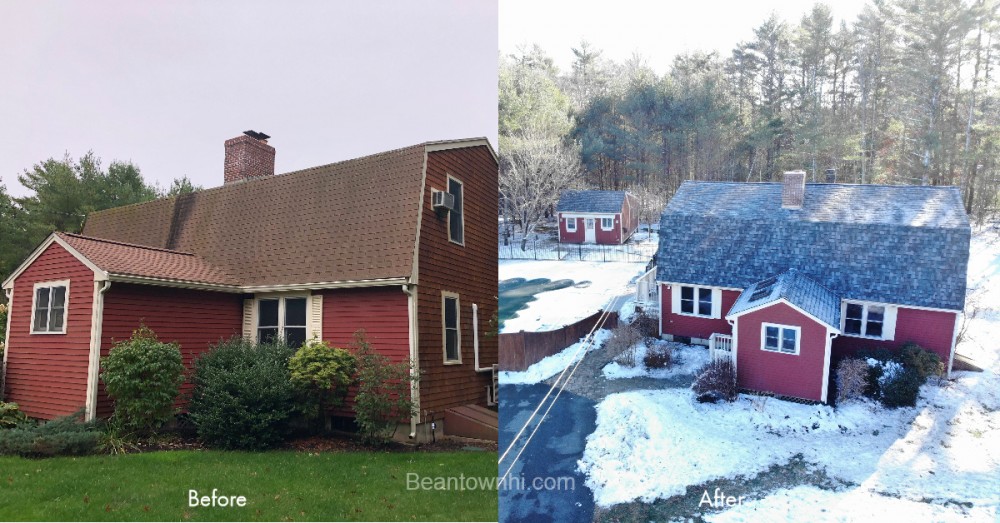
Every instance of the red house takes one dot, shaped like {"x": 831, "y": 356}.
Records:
{"x": 605, "y": 217}
{"x": 787, "y": 277}
{"x": 370, "y": 243}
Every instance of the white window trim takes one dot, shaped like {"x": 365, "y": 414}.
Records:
{"x": 675, "y": 302}
{"x": 611, "y": 228}
{"x": 888, "y": 320}
{"x": 444, "y": 328}
{"x": 451, "y": 215}
{"x": 780, "y": 327}
{"x": 34, "y": 299}
{"x": 570, "y": 220}
{"x": 281, "y": 313}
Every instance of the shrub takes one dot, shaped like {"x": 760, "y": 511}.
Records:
{"x": 647, "y": 325}
{"x": 3, "y": 329}
{"x": 717, "y": 377}
{"x": 63, "y": 436}
{"x": 924, "y": 362}
{"x": 621, "y": 345}
{"x": 243, "y": 396}
{"x": 143, "y": 376}
{"x": 901, "y": 388}
{"x": 322, "y": 374}
{"x": 383, "y": 398}
{"x": 852, "y": 378}
{"x": 11, "y": 416}
{"x": 658, "y": 357}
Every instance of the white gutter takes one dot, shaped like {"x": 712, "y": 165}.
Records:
{"x": 475, "y": 338}
{"x": 411, "y": 302}
{"x": 94, "y": 366}
{"x": 3, "y": 368}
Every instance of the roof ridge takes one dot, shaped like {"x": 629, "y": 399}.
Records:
{"x": 729, "y": 182}
{"x": 126, "y": 244}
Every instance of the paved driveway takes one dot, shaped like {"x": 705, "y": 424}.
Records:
{"x": 550, "y": 459}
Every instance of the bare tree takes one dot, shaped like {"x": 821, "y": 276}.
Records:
{"x": 535, "y": 169}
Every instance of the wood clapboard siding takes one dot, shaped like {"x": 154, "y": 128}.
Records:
{"x": 193, "y": 319}
{"x": 47, "y": 373}
{"x": 380, "y": 311}
{"x": 796, "y": 375}
{"x": 469, "y": 271}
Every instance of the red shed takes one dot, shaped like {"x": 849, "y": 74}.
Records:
{"x": 361, "y": 244}
{"x": 604, "y": 217}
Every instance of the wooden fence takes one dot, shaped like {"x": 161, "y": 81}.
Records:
{"x": 518, "y": 350}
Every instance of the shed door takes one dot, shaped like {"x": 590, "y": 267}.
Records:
{"x": 590, "y": 238}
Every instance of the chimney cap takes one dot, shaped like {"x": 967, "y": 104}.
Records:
{"x": 255, "y": 135}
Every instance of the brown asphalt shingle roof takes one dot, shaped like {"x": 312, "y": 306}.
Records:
{"x": 137, "y": 260}
{"x": 352, "y": 220}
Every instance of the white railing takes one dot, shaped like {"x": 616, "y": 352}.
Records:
{"x": 645, "y": 290}
{"x": 720, "y": 346}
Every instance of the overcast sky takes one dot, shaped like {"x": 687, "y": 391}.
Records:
{"x": 656, "y": 29}
{"x": 164, "y": 84}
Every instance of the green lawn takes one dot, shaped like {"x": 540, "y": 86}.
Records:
{"x": 279, "y": 486}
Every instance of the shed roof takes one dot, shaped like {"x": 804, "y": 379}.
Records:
{"x": 891, "y": 244}
{"x": 146, "y": 262}
{"x": 591, "y": 201}
{"x": 796, "y": 288}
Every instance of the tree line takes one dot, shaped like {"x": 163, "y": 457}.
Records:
{"x": 62, "y": 193}
{"x": 904, "y": 94}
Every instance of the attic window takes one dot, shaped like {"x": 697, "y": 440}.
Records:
{"x": 48, "y": 314}
{"x": 456, "y": 221}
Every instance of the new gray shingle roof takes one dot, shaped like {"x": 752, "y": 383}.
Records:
{"x": 800, "y": 290}
{"x": 591, "y": 201}
{"x": 906, "y": 245}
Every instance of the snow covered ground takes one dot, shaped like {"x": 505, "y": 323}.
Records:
{"x": 687, "y": 360}
{"x": 594, "y": 284}
{"x": 554, "y": 364}
{"x": 939, "y": 460}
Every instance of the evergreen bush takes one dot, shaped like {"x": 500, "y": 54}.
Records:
{"x": 243, "y": 395}
{"x": 322, "y": 374}
{"x": 63, "y": 436}
{"x": 143, "y": 376}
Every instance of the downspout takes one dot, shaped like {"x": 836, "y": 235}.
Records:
{"x": 3, "y": 365}
{"x": 475, "y": 338}
{"x": 411, "y": 302}
{"x": 96, "y": 324}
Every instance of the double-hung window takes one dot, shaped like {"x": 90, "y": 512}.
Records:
{"x": 456, "y": 225}
{"x": 607, "y": 224}
{"x": 570, "y": 224}
{"x": 696, "y": 300}
{"x": 48, "y": 315}
{"x": 282, "y": 318}
{"x": 780, "y": 338}
{"x": 863, "y": 319}
{"x": 452, "y": 332}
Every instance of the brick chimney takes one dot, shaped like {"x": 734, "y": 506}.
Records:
{"x": 831, "y": 176}
{"x": 248, "y": 157}
{"x": 793, "y": 191}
